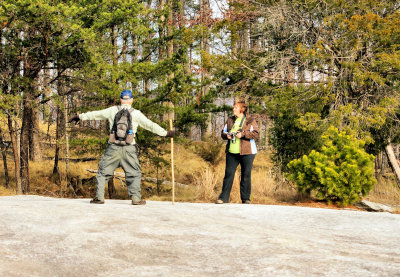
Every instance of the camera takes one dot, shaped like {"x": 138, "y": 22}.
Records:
{"x": 233, "y": 136}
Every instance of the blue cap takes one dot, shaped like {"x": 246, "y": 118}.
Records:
{"x": 126, "y": 94}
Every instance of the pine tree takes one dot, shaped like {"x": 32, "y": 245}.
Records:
{"x": 341, "y": 171}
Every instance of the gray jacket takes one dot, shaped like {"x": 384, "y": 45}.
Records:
{"x": 138, "y": 119}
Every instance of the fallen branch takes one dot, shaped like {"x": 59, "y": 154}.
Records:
{"x": 121, "y": 176}
{"x": 117, "y": 175}
{"x": 393, "y": 162}
{"x": 71, "y": 159}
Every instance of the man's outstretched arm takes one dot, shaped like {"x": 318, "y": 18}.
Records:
{"x": 149, "y": 125}
{"x": 94, "y": 115}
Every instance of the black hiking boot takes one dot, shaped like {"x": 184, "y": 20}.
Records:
{"x": 96, "y": 201}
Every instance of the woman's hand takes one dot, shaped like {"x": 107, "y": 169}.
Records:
{"x": 239, "y": 134}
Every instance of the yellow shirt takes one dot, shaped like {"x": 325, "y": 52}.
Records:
{"x": 234, "y": 148}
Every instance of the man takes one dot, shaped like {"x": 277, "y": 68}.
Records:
{"x": 117, "y": 154}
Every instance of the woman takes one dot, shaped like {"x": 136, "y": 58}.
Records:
{"x": 240, "y": 130}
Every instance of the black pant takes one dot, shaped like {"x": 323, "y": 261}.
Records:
{"x": 232, "y": 162}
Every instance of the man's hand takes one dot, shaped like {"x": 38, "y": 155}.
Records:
{"x": 170, "y": 134}
{"x": 74, "y": 118}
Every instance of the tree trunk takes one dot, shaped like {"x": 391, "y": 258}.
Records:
{"x": 60, "y": 120}
{"x": 290, "y": 74}
{"x": 145, "y": 49}
{"x": 170, "y": 50}
{"x": 7, "y": 177}
{"x": 15, "y": 147}
{"x": 66, "y": 136}
{"x": 393, "y": 162}
{"x": 161, "y": 49}
{"x": 4, "y": 154}
{"x": 266, "y": 139}
{"x": 49, "y": 122}
{"x": 25, "y": 137}
{"x": 114, "y": 38}
{"x": 170, "y": 26}
{"x": 111, "y": 188}
{"x": 254, "y": 36}
{"x": 47, "y": 110}
{"x": 261, "y": 134}
{"x": 379, "y": 164}
{"x": 205, "y": 13}
{"x": 34, "y": 130}
{"x": 244, "y": 39}
{"x": 124, "y": 55}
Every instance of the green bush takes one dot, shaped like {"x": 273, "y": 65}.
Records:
{"x": 340, "y": 172}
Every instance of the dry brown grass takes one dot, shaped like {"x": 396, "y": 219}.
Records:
{"x": 207, "y": 184}
{"x": 203, "y": 178}
{"x": 267, "y": 184}
{"x": 6, "y": 191}
{"x": 386, "y": 191}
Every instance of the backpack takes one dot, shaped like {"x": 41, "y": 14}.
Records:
{"x": 121, "y": 132}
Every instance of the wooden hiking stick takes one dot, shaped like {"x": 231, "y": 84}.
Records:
{"x": 172, "y": 163}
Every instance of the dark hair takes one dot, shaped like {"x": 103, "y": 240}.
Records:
{"x": 242, "y": 103}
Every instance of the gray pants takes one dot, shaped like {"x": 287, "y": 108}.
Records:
{"x": 126, "y": 157}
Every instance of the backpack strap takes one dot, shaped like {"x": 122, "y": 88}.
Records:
{"x": 114, "y": 127}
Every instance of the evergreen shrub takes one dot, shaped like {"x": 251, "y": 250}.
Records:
{"x": 341, "y": 172}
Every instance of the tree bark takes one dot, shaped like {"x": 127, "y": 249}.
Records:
{"x": 15, "y": 148}
{"x": 34, "y": 138}
{"x": 6, "y": 176}
{"x": 114, "y": 38}
{"x": 47, "y": 110}
{"x": 393, "y": 162}
{"x": 145, "y": 49}
{"x": 205, "y": 14}
{"x": 261, "y": 134}
{"x": 111, "y": 188}
{"x": 60, "y": 120}
{"x": 25, "y": 137}
{"x": 4, "y": 154}
{"x": 244, "y": 39}
{"x": 170, "y": 50}
{"x": 66, "y": 136}
{"x": 161, "y": 49}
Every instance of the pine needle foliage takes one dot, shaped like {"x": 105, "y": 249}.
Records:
{"x": 341, "y": 172}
